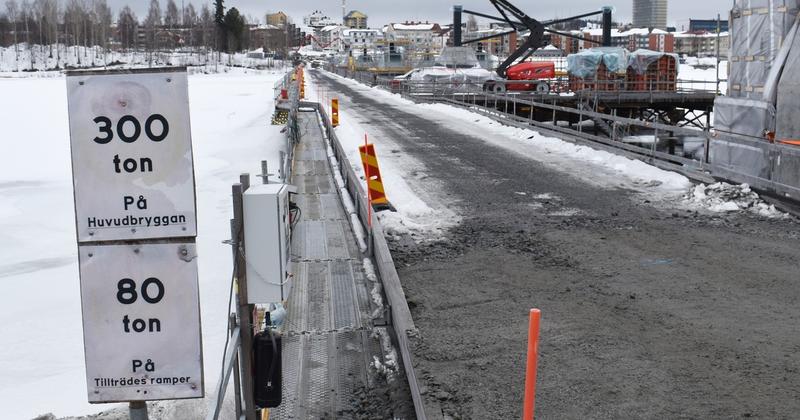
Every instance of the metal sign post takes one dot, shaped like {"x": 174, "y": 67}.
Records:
{"x": 135, "y": 212}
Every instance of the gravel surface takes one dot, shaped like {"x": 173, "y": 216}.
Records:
{"x": 646, "y": 312}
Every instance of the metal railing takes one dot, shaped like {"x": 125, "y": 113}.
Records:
{"x": 378, "y": 250}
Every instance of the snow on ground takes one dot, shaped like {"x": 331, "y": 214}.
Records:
{"x": 722, "y": 197}
{"x": 702, "y": 74}
{"x": 417, "y": 211}
{"x": 41, "y": 355}
{"x": 601, "y": 168}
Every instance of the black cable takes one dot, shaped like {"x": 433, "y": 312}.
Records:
{"x": 234, "y": 274}
{"x": 272, "y": 365}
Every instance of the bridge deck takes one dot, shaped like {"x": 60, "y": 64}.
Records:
{"x": 327, "y": 331}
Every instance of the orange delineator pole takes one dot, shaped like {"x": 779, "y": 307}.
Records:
{"x": 369, "y": 190}
{"x": 302, "y": 85}
{"x": 530, "y": 370}
{"x": 335, "y": 112}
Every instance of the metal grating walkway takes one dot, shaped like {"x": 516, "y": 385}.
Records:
{"x": 327, "y": 338}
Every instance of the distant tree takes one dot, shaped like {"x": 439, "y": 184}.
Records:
{"x": 189, "y": 21}
{"x": 171, "y": 18}
{"x": 152, "y": 23}
{"x": 12, "y": 13}
{"x": 219, "y": 20}
{"x": 103, "y": 22}
{"x": 235, "y": 24}
{"x": 219, "y": 12}
{"x": 207, "y": 26}
{"x": 25, "y": 16}
{"x": 127, "y": 24}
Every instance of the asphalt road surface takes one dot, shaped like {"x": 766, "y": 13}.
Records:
{"x": 647, "y": 313}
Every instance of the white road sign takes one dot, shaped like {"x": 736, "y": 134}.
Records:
{"x": 131, "y": 155}
{"x": 141, "y": 322}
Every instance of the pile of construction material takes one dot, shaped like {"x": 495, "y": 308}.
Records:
{"x": 610, "y": 69}
{"x": 598, "y": 69}
{"x": 652, "y": 71}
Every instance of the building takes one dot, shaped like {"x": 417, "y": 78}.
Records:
{"x": 650, "y": 14}
{"x": 707, "y": 25}
{"x": 631, "y": 39}
{"x": 277, "y": 19}
{"x": 317, "y": 20}
{"x": 330, "y": 38}
{"x": 502, "y": 45}
{"x": 268, "y": 37}
{"x": 702, "y": 44}
{"x": 419, "y": 36}
{"x": 361, "y": 39}
{"x": 355, "y": 20}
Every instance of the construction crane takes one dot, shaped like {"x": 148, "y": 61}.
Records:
{"x": 521, "y": 22}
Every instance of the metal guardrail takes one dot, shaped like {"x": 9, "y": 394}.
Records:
{"x": 378, "y": 248}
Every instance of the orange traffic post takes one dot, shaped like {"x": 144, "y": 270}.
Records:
{"x": 530, "y": 370}
{"x": 369, "y": 190}
{"x": 375, "y": 191}
{"x": 335, "y": 112}
{"x": 302, "y": 85}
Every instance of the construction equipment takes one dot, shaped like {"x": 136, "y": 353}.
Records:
{"x": 533, "y": 76}
{"x": 521, "y": 23}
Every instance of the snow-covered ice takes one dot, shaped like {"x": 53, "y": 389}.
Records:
{"x": 41, "y": 355}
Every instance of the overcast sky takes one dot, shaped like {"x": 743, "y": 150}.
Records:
{"x": 381, "y": 12}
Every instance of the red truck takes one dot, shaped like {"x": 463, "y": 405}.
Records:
{"x": 538, "y": 72}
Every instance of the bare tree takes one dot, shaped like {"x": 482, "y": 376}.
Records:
{"x": 207, "y": 25}
{"x": 74, "y": 24}
{"x": 12, "y": 12}
{"x": 190, "y": 22}
{"x": 127, "y": 24}
{"x": 102, "y": 24}
{"x": 152, "y": 22}
{"x": 5, "y": 30}
{"x": 171, "y": 18}
{"x": 26, "y": 14}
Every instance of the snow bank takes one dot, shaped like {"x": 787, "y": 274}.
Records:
{"x": 605, "y": 170}
{"x": 726, "y": 198}
{"x": 416, "y": 212}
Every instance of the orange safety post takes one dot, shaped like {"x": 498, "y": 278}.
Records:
{"x": 369, "y": 190}
{"x": 335, "y": 112}
{"x": 375, "y": 191}
{"x": 300, "y": 81}
{"x": 530, "y": 370}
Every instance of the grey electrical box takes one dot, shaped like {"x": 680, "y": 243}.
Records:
{"x": 267, "y": 242}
